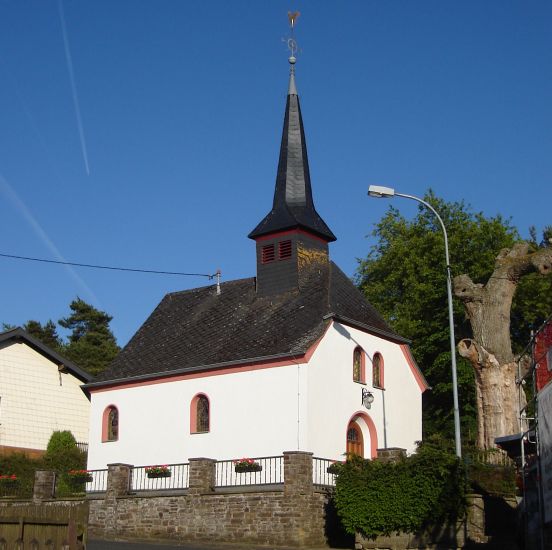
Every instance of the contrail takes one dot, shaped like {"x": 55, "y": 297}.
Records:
{"x": 26, "y": 213}
{"x": 73, "y": 85}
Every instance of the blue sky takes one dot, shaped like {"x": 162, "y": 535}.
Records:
{"x": 149, "y": 137}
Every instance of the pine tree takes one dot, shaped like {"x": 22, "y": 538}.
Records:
{"x": 91, "y": 345}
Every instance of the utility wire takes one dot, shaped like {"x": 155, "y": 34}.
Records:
{"x": 14, "y": 257}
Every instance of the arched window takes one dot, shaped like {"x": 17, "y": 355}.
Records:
{"x": 377, "y": 370}
{"x": 200, "y": 414}
{"x": 358, "y": 365}
{"x": 110, "y": 424}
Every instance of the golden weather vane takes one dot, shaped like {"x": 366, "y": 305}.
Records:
{"x": 292, "y": 17}
{"x": 291, "y": 42}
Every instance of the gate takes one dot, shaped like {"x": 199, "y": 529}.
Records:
{"x": 33, "y": 527}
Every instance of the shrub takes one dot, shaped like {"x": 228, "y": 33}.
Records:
{"x": 23, "y": 468}
{"x": 62, "y": 455}
{"x": 421, "y": 491}
{"x": 60, "y": 441}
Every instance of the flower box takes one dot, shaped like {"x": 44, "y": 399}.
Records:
{"x": 79, "y": 476}
{"x": 244, "y": 469}
{"x": 154, "y": 472}
{"x": 154, "y": 475}
{"x": 334, "y": 468}
{"x": 244, "y": 465}
{"x": 9, "y": 482}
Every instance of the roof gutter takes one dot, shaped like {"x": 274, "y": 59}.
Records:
{"x": 199, "y": 368}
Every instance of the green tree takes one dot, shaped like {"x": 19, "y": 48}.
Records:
{"x": 46, "y": 333}
{"x": 404, "y": 277}
{"x": 91, "y": 344}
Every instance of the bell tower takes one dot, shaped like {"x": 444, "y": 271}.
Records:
{"x": 292, "y": 239}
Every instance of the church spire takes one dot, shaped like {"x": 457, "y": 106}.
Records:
{"x": 293, "y": 206}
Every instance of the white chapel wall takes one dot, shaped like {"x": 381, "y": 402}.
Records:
{"x": 253, "y": 414}
{"x": 35, "y": 399}
{"x": 334, "y": 397}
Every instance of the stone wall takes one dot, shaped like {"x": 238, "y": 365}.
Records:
{"x": 292, "y": 514}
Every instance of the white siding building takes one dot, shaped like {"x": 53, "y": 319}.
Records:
{"x": 40, "y": 392}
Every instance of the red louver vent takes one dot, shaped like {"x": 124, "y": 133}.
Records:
{"x": 267, "y": 254}
{"x": 284, "y": 250}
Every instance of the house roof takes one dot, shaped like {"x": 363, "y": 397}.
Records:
{"x": 20, "y": 335}
{"x": 198, "y": 329}
{"x": 293, "y": 205}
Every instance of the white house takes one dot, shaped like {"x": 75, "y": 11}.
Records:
{"x": 40, "y": 392}
{"x": 292, "y": 359}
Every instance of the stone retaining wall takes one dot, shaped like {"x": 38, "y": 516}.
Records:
{"x": 292, "y": 514}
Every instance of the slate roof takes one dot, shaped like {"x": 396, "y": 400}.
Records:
{"x": 198, "y": 329}
{"x": 293, "y": 205}
{"x": 20, "y": 335}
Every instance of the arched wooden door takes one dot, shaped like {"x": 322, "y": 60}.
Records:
{"x": 355, "y": 441}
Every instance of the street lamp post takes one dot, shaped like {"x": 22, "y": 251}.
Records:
{"x": 388, "y": 192}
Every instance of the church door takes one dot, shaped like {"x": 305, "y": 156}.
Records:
{"x": 355, "y": 442}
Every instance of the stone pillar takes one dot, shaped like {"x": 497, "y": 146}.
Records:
{"x": 44, "y": 485}
{"x": 297, "y": 473}
{"x": 391, "y": 454}
{"x": 202, "y": 475}
{"x": 302, "y": 509}
{"x": 118, "y": 480}
{"x": 475, "y": 518}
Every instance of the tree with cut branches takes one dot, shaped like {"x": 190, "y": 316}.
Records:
{"x": 488, "y": 307}
{"x": 404, "y": 277}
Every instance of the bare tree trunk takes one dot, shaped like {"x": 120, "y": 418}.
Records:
{"x": 490, "y": 351}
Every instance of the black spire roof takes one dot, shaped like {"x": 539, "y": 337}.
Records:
{"x": 293, "y": 206}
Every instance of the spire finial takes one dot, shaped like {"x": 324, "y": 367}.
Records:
{"x": 291, "y": 42}
{"x": 292, "y": 47}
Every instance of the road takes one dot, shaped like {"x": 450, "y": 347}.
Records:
{"x": 108, "y": 545}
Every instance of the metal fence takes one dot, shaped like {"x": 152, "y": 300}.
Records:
{"x": 494, "y": 457}
{"x": 320, "y": 475}
{"x": 82, "y": 446}
{"x": 177, "y": 478}
{"x": 269, "y": 471}
{"x": 98, "y": 483}
{"x": 16, "y": 488}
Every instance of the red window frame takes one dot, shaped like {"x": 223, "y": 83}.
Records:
{"x": 110, "y": 432}
{"x": 359, "y": 366}
{"x": 377, "y": 370}
{"x": 194, "y": 418}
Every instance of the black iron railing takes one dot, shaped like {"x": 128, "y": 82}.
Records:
{"x": 176, "y": 476}
{"x": 321, "y": 477}
{"x": 264, "y": 471}
{"x": 98, "y": 484}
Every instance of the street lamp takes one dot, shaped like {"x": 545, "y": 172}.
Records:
{"x": 388, "y": 192}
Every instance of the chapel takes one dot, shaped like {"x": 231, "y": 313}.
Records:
{"x": 293, "y": 358}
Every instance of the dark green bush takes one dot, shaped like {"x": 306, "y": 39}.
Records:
{"x": 23, "y": 468}
{"x": 490, "y": 479}
{"x": 420, "y": 491}
{"x": 60, "y": 441}
{"x": 62, "y": 455}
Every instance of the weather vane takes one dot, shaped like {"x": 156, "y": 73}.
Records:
{"x": 291, "y": 42}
